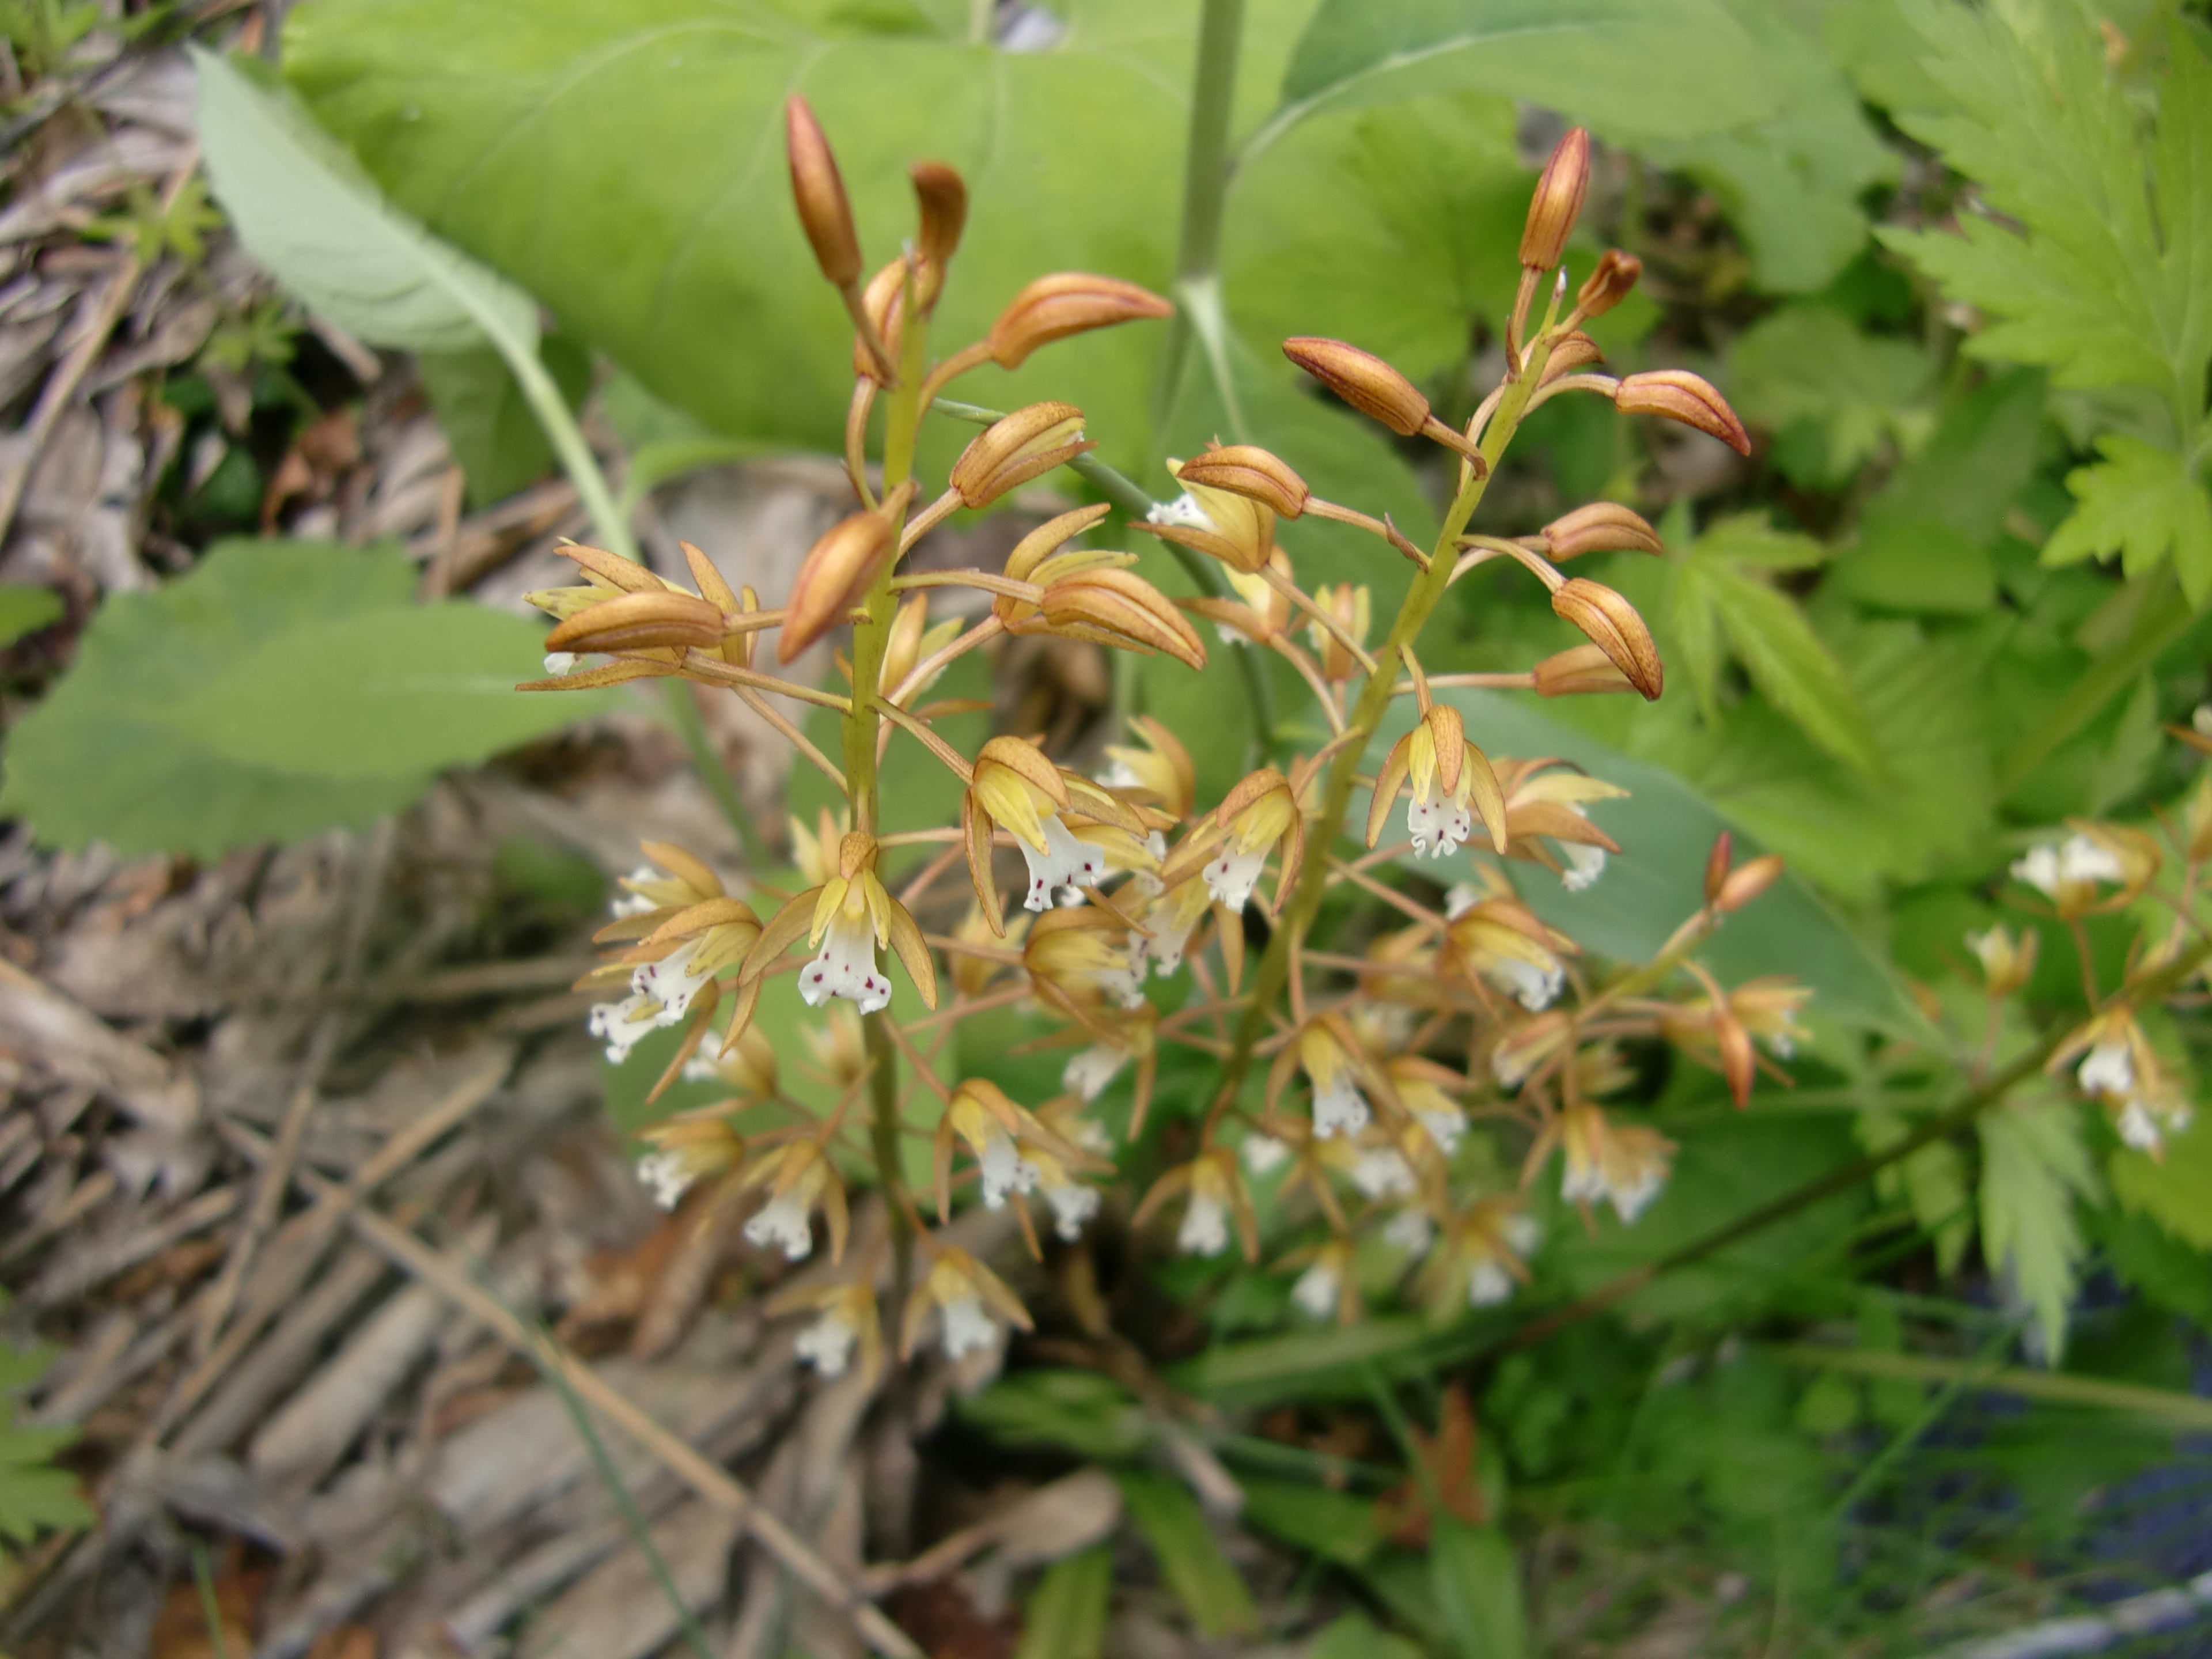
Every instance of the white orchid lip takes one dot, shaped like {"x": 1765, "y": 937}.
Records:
{"x": 1230, "y": 878}
{"x": 1065, "y": 865}
{"x": 1089, "y": 1069}
{"x": 828, "y": 1344}
{"x": 666, "y": 1174}
{"x": 1205, "y": 1230}
{"x": 782, "y": 1224}
{"x": 1339, "y": 1109}
{"x": 1438, "y": 825}
{"x": 1004, "y": 1169}
{"x": 1073, "y": 1206}
{"x": 846, "y": 968}
{"x": 967, "y": 1326}
{"x": 623, "y": 1025}
{"x": 1317, "y": 1289}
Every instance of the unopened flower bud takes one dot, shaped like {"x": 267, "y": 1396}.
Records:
{"x": 647, "y": 620}
{"x": 1747, "y": 882}
{"x": 1579, "y": 670}
{"x": 838, "y": 570}
{"x": 1558, "y": 201}
{"x": 1120, "y": 608}
{"x": 1600, "y": 527}
{"x": 1068, "y": 303}
{"x": 1614, "y": 628}
{"x": 1739, "y": 1059}
{"x": 1578, "y": 351}
{"x": 943, "y": 201}
{"x": 2007, "y": 963}
{"x": 1681, "y": 396}
{"x": 1364, "y": 381}
{"x": 819, "y": 192}
{"x": 883, "y": 300}
{"x": 1609, "y": 284}
{"x": 1248, "y": 470}
{"x": 1016, "y": 448}
{"x": 1717, "y": 864}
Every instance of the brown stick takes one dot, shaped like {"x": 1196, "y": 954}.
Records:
{"x": 704, "y": 1477}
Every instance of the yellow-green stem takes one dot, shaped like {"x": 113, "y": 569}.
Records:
{"x": 1421, "y": 600}
{"x": 901, "y": 417}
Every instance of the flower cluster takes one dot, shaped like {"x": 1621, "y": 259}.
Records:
{"x": 1342, "y": 1078}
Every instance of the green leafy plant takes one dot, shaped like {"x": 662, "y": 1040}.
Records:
{"x": 33, "y": 1494}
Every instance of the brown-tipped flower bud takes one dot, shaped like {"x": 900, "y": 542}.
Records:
{"x": 838, "y": 570}
{"x": 884, "y": 302}
{"x": 1016, "y": 448}
{"x": 1578, "y": 351}
{"x": 1068, "y": 303}
{"x": 1717, "y": 864}
{"x": 1579, "y": 670}
{"x": 1614, "y": 628}
{"x": 1600, "y": 527}
{"x": 1247, "y": 469}
{"x": 1364, "y": 381}
{"x": 1608, "y": 285}
{"x": 1681, "y": 396}
{"x": 1119, "y": 608}
{"x": 648, "y": 620}
{"x": 819, "y": 192}
{"x": 943, "y": 198}
{"x": 1558, "y": 201}
{"x": 1739, "y": 1059}
{"x": 1747, "y": 882}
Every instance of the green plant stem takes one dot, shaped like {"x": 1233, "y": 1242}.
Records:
{"x": 871, "y": 638}
{"x": 611, "y": 525}
{"x": 1132, "y": 499}
{"x": 1618, "y": 1289}
{"x": 1204, "y": 193}
{"x": 2182, "y": 1410}
{"x": 1421, "y": 600}
{"x": 210, "y": 1609}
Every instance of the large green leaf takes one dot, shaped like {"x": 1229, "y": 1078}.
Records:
{"x": 278, "y": 690}
{"x": 1665, "y": 829}
{"x": 302, "y": 209}
{"x": 626, "y": 164}
{"x": 2034, "y": 1164}
{"x": 1631, "y": 70}
{"x": 1204, "y": 1579}
{"x": 1477, "y": 1583}
{"x": 1066, "y": 1618}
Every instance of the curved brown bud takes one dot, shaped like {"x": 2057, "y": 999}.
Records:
{"x": 1608, "y": 285}
{"x": 1614, "y": 628}
{"x": 1016, "y": 448}
{"x": 884, "y": 301}
{"x": 1067, "y": 302}
{"x": 1576, "y": 351}
{"x": 1120, "y": 608}
{"x": 1681, "y": 396}
{"x": 1558, "y": 201}
{"x": 838, "y": 570}
{"x": 1717, "y": 864}
{"x": 819, "y": 192}
{"x": 1739, "y": 1061}
{"x": 1579, "y": 670}
{"x": 649, "y": 621}
{"x": 1247, "y": 469}
{"x": 943, "y": 198}
{"x": 1362, "y": 380}
{"x": 1600, "y": 527}
{"x": 1748, "y": 881}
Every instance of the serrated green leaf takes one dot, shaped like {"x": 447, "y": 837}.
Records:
{"x": 2034, "y": 1164}
{"x": 1793, "y": 669}
{"x": 278, "y": 690}
{"x": 32, "y": 1498}
{"x": 301, "y": 206}
{"x": 1922, "y": 565}
{"x": 25, "y": 610}
{"x": 1628, "y": 68}
{"x": 2103, "y": 280}
{"x": 1477, "y": 1583}
{"x": 1066, "y": 1618}
{"x": 2175, "y": 1190}
{"x": 2144, "y": 504}
{"x": 1932, "y": 1181}
{"x": 1694, "y": 630}
{"x": 1748, "y": 539}
{"x": 1211, "y": 1591}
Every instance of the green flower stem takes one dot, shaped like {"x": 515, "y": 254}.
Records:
{"x": 611, "y": 525}
{"x": 2183, "y": 1410}
{"x": 1204, "y": 190}
{"x": 871, "y": 638}
{"x": 1421, "y": 601}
